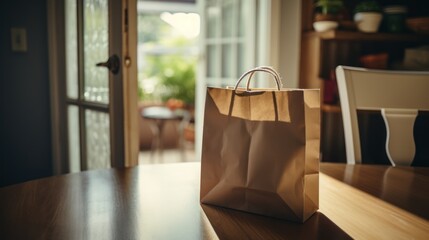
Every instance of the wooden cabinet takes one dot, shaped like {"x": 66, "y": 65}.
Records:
{"x": 322, "y": 52}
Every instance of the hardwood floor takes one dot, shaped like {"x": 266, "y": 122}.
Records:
{"x": 168, "y": 156}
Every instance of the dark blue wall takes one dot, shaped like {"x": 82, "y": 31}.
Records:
{"x": 25, "y": 131}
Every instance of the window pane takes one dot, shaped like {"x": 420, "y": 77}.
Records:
{"x": 167, "y": 55}
{"x": 241, "y": 67}
{"x": 227, "y": 61}
{"x": 211, "y": 60}
{"x": 241, "y": 20}
{"x": 96, "y": 50}
{"x": 227, "y": 18}
{"x": 97, "y": 139}
{"x": 71, "y": 49}
{"x": 74, "y": 142}
{"x": 213, "y": 14}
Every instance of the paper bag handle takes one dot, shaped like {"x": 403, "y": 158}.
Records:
{"x": 266, "y": 69}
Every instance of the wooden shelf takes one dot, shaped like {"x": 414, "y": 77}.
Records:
{"x": 360, "y": 36}
{"x": 329, "y": 108}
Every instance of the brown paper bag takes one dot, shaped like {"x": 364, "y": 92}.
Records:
{"x": 260, "y": 150}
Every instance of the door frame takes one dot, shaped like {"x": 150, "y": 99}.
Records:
{"x": 128, "y": 152}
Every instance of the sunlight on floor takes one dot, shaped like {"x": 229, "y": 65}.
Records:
{"x": 167, "y": 156}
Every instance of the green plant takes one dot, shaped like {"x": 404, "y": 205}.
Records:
{"x": 167, "y": 64}
{"x": 176, "y": 76}
{"x": 368, "y": 6}
{"x": 328, "y": 6}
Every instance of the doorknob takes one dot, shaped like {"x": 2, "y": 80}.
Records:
{"x": 113, "y": 64}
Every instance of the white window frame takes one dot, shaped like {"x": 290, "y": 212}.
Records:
{"x": 261, "y": 43}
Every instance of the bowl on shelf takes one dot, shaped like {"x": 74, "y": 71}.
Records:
{"x": 368, "y": 22}
{"x": 323, "y": 26}
{"x": 418, "y": 25}
{"x": 375, "y": 61}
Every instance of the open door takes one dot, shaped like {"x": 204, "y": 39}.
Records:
{"x": 96, "y": 113}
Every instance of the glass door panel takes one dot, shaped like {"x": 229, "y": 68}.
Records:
{"x": 96, "y": 49}
{"x": 71, "y": 46}
{"x": 90, "y": 104}
{"x": 73, "y": 138}
{"x": 97, "y": 139}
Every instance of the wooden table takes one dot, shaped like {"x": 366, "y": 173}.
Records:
{"x": 376, "y": 202}
{"x": 162, "y": 202}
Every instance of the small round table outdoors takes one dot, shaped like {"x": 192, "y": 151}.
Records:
{"x": 159, "y": 115}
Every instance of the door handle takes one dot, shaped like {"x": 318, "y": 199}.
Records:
{"x": 113, "y": 64}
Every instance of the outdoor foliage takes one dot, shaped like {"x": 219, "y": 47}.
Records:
{"x": 167, "y": 62}
{"x": 176, "y": 75}
{"x": 368, "y": 6}
{"x": 328, "y": 6}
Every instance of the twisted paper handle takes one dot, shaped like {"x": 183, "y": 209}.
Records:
{"x": 266, "y": 69}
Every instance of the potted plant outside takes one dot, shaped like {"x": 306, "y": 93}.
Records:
{"x": 175, "y": 80}
{"x": 326, "y": 14}
{"x": 368, "y": 16}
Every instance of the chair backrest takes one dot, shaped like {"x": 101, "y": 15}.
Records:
{"x": 398, "y": 95}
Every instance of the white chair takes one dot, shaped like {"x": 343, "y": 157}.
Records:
{"x": 398, "y": 95}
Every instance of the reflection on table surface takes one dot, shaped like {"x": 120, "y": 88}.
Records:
{"x": 404, "y": 187}
{"x": 376, "y": 202}
{"x": 162, "y": 202}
